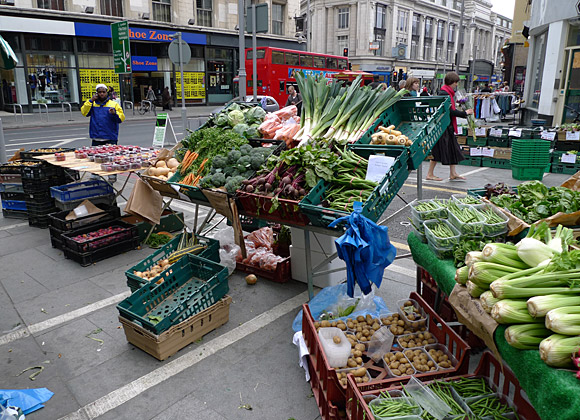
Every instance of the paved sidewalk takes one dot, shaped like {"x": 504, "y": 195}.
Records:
{"x": 57, "y": 118}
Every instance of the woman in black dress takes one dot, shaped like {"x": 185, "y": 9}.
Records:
{"x": 447, "y": 150}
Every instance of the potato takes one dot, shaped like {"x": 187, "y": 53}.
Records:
{"x": 396, "y": 372}
{"x": 317, "y": 325}
{"x": 359, "y": 372}
{"x": 360, "y": 347}
{"x": 350, "y": 325}
{"x": 333, "y": 324}
{"x": 351, "y": 363}
{"x": 359, "y": 360}
{"x": 344, "y": 382}
{"x": 352, "y": 342}
{"x": 360, "y": 318}
{"x": 325, "y": 324}
{"x": 336, "y": 339}
{"x": 357, "y": 353}
{"x": 341, "y": 326}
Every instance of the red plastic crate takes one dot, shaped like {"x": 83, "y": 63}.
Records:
{"x": 328, "y": 378}
{"x": 282, "y": 274}
{"x": 259, "y": 206}
{"x": 328, "y": 411}
{"x": 499, "y": 374}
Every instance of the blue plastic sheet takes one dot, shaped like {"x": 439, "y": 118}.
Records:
{"x": 29, "y": 400}
{"x": 329, "y": 296}
{"x": 366, "y": 250}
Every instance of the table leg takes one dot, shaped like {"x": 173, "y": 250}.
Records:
{"x": 308, "y": 264}
{"x": 418, "y": 281}
{"x": 195, "y": 218}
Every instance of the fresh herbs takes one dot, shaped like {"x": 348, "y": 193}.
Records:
{"x": 464, "y": 246}
{"x": 156, "y": 240}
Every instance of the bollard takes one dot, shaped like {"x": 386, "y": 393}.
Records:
{"x": 3, "y": 157}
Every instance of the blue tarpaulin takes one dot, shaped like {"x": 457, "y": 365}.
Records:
{"x": 28, "y": 400}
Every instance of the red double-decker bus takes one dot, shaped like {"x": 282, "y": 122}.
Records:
{"x": 277, "y": 66}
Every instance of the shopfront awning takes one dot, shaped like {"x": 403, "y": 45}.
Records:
{"x": 9, "y": 59}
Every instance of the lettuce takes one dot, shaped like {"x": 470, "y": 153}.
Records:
{"x": 235, "y": 117}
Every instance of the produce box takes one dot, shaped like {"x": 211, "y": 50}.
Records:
{"x": 58, "y": 219}
{"x": 462, "y": 140}
{"x": 378, "y": 201}
{"x": 9, "y": 195}
{"x": 563, "y": 157}
{"x": 471, "y": 161}
{"x": 423, "y": 124}
{"x": 108, "y": 199}
{"x": 32, "y": 186}
{"x": 324, "y": 379}
{"x": 31, "y": 154}
{"x": 193, "y": 284}
{"x": 88, "y": 258}
{"x": 567, "y": 145}
{"x": 282, "y": 274}
{"x": 528, "y": 173}
{"x": 170, "y": 222}
{"x": 14, "y": 205}
{"x": 495, "y": 163}
{"x": 178, "y": 336}
{"x": 41, "y": 170}
{"x": 99, "y": 235}
{"x": 497, "y": 376}
{"x": 565, "y": 168}
{"x": 80, "y": 190}
{"x": 502, "y": 153}
{"x": 479, "y": 141}
{"x": 14, "y": 214}
{"x": 135, "y": 282}
{"x": 15, "y": 178}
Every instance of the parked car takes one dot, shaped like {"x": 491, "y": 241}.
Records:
{"x": 271, "y": 103}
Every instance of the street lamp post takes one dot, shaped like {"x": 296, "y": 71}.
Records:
{"x": 183, "y": 110}
{"x": 242, "y": 56}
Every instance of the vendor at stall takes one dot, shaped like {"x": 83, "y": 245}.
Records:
{"x": 105, "y": 114}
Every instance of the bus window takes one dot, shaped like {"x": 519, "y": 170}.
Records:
{"x": 331, "y": 63}
{"x": 259, "y": 54}
{"x": 277, "y": 57}
{"x": 305, "y": 60}
{"x": 282, "y": 86}
{"x": 318, "y": 62}
{"x": 342, "y": 64}
{"x": 292, "y": 59}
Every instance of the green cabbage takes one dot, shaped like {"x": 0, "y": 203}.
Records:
{"x": 241, "y": 129}
{"x": 255, "y": 115}
{"x": 235, "y": 117}
{"x": 222, "y": 119}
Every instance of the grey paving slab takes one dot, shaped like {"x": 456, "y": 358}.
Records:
{"x": 79, "y": 353}
{"x": 61, "y": 403}
{"x": 58, "y": 302}
{"x": 15, "y": 264}
{"x": 22, "y": 354}
{"x": 9, "y": 317}
{"x": 113, "y": 281}
{"x": 108, "y": 319}
{"x": 184, "y": 409}
{"x": 17, "y": 228}
{"x": 54, "y": 253}
{"x": 18, "y": 243}
{"x": 392, "y": 291}
{"x": 4, "y": 234}
{"x": 22, "y": 287}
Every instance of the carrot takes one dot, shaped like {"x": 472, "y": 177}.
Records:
{"x": 202, "y": 165}
{"x": 186, "y": 156}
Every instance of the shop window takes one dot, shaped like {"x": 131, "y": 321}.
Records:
{"x": 112, "y": 7}
{"x": 51, "y": 77}
{"x": 292, "y": 59}
{"x": 94, "y": 45}
{"x": 277, "y": 57}
{"x": 277, "y": 19}
{"x": 162, "y": 10}
{"x": 342, "y": 43}
{"x": 204, "y": 12}
{"x": 538, "y": 68}
{"x": 46, "y": 43}
{"x": 414, "y": 50}
{"x": 51, "y": 4}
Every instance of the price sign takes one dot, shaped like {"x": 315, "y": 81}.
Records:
{"x": 475, "y": 151}
{"x": 378, "y": 167}
{"x": 548, "y": 135}
{"x": 460, "y": 130}
{"x": 515, "y": 133}
{"x": 568, "y": 158}
{"x": 572, "y": 135}
{"x": 495, "y": 132}
{"x": 487, "y": 152}
{"x": 480, "y": 131}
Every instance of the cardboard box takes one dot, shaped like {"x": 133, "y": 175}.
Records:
{"x": 462, "y": 139}
{"x": 181, "y": 335}
{"x": 502, "y": 153}
{"x": 298, "y": 259}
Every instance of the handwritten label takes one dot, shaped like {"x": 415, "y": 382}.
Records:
{"x": 487, "y": 152}
{"x": 515, "y": 133}
{"x": 378, "y": 167}
{"x": 495, "y": 132}
{"x": 480, "y": 131}
{"x": 568, "y": 158}
{"x": 475, "y": 151}
{"x": 548, "y": 135}
{"x": 80, "y": 168}
{"x": 460, "y": 130}
{"x": 572, "y": 135}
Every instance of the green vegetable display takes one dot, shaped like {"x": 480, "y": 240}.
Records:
{"x": 443, "y": 391}
{"x": 387, "y": 406}
{"x": 464, "y": 246}
{"x": 490, "y": 406}
{"x": 466, "y": 219}
{"x": 156, "y": 240}
{"x": 243, "y": 119}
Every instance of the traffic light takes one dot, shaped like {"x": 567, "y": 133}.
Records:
{"x": 395, "y": 77}
{"x": 345, "y": 52}
{"x": 401, "y": 74}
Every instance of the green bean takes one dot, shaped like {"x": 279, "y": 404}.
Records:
{"x": 491, "y": 217}
{"x": 471, "y": 387}
{"x": 387, "y": 406}
{"x": 426, "y": 206}
{"x": 468, "y": 199}
{"x": 489, "y": 406}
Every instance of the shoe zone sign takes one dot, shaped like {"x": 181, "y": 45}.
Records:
{"x": 137, "y": 34}
{"x": 143, "y": 63}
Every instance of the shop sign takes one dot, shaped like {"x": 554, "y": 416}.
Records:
{"x": 479, "y": 78}
{"x": 375, "y": 68}
{"x": 141, "y": 34}
{"x": 429, "y": 74}
{"x": 142, "y": 63}
{"x": 121, "y": 51}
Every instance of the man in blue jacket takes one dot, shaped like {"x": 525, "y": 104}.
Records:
{"x": 106, "y": 115}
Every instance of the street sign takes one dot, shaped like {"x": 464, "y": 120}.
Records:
{"x": 174, "y": 52}
{"x": 161, "y": 129}
{"x": 261, "y": 18}
{"x": 121, "y": 50}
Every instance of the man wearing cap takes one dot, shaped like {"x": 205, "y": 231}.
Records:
{"x": 106, "y": 115}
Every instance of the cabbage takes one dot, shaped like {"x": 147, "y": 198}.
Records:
{"x": 252, "y": 132}
{"x": 241, "y": 128}
{"x": 255, "y": 115}
{"x": 235, "y": 117}
{"x": 234, "y": 107}
{"x": 222, "y": 119}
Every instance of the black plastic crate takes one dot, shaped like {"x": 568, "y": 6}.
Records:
{"x": 41, "y": 208}
{"x": 39, "y": 197}
{"x": 128, "y": 231}
{"x": 12, "y": 196}
{"x": 12, "y": 188}
{"x": 109, "y": 199}
{"x": 41, "y": 171}
{"x": 38, "y": 221}
{"x": 567, "y": 145}
{"x": 87, "y": 258}
{"x": 31, "y": 154}
{"x": 14, "y": 214}
{"x": 55, "y": 237}
{"x": 110, "y": 212}
{"x": 42, "y": 185}
{"x": 11, "y": 168}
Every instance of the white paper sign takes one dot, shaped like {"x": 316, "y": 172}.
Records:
{"x": 460, "y": 130}
{"x": 487, "y": 152}
{"x": 475, "y": 151}
{"x": 80, "y": 168}
{"x": 495, "y": 132}
{"x": 378, "y": 167}
{"x": 568, "y": 158}
{"x": 572, "y": 135}
{"x": 548, "y": 135}
{"x": 480, "y": 131}
{"x": 515, "y": 133}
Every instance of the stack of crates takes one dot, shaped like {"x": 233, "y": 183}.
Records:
{"x": 530, "y": 158}
{"x": 70, "y": 196}
{"x": 565, "y": 162}
{"x": 11, "y": 192}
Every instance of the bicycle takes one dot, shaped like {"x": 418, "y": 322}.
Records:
{"x": 146, "y": 106}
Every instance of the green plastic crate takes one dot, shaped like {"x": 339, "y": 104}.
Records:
{"x": 528, "y": 173}
{"x": 478, "y": 142}
{"x": 565, "y": 168}
{"x": 471, "y": 161}
{"x": 379, "y": 200}
{"x": 192, "y": 285}
{"x": 498, "y": 141}
{"x": 496, "y": 163}
{"x": 212, "y": 253}
{"x": 193, "y": 193}
{"x": 169, "y": 222}
{"x": 557, "y": 156}
{"x": 423, "y": 124}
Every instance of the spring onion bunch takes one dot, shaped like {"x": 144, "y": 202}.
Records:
{"x": 526, "y": 336}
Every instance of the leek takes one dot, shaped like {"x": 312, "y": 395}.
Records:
{"x": 487, "y": 301}
{"x": 533, "y": 252}
{"x": 512, "y": 312}
{"x": 472, "y": 257}
{"x": 526, "y": 336}
{"x": 541, "y": 305}
{"x": 504, "y": 254}
{"x": 461, "y": 274}
{"x": 557, "y": 350}
{"x": 564, "y": 320}
{"x": 473, "y": 289}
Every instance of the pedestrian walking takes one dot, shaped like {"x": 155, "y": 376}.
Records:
{"x": 447, "y": 150}
{"x": 412, "y": 86}
{"x": 486, "y": 89}
{"x": 151, "y": 95}
{"x": 105, "y": 115}
{"x": 166, "y": 99}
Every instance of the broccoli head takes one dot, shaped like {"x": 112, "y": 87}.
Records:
{"x": 246, "y": 149}
{"x": 245, "y": 162}
{"x": 229, "y": 171}
{"x": 205, "y": 182}
{"x": 233, "y": 156}
{"x": 256, "y": 162}
{"x": 234, "y": 183}
{"x": 219, "y": 162}
{"x": 218, "y": 180}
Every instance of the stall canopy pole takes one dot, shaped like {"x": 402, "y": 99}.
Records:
{"x": 254, "y": 58}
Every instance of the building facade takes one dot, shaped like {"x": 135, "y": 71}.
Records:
{"x": 418, "y": 37}
{"x": 64, "y": 47}
{"x": 552, "y": 87}
{"x": 515, "y": 51}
